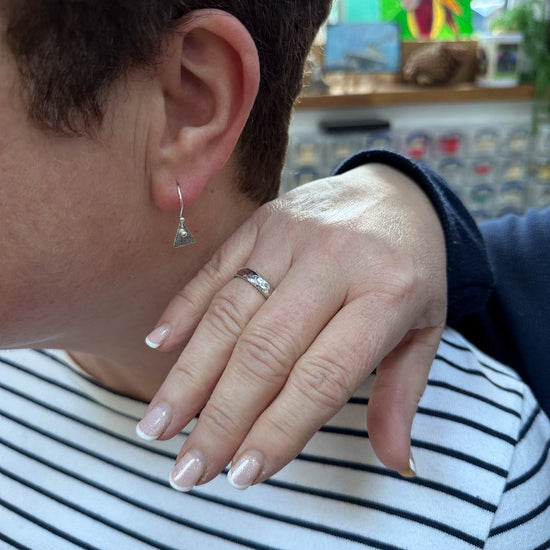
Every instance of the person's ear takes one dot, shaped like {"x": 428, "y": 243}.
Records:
{"x": 208, "y": 82}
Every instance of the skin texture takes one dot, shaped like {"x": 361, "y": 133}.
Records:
{"x": 359, "y": 283}
{"x": 86, "y": 227}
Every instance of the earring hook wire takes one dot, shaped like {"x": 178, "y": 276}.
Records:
{"x": 181, "y": 200}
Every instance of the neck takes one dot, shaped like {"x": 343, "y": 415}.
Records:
{"x": 111, "y": 346}
{"x": 133, "y": 371}
{"x": 110, "y": 342}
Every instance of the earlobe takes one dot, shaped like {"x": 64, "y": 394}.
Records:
{"x": 208, "y": 81}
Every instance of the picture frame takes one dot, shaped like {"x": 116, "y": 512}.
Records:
{"x": 363, "y": 48}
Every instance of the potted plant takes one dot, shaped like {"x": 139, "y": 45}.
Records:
{"x": 530, "y": 18}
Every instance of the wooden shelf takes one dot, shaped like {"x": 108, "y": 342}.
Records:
{"x": 381, "y": 93}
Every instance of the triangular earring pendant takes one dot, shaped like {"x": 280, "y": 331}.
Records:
{"x": 183, "y": 235}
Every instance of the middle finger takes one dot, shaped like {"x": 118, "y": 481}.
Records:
{"x": 279, "y": 333}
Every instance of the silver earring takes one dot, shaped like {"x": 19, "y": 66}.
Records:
{"x": 183, "y": 235}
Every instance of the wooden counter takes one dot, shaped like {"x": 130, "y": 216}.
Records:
{"x": 378, "y": 93}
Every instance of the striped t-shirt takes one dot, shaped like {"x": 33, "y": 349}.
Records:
{"x": 73, "y": 474}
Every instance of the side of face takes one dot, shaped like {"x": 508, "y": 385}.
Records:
{"x": 85, "y": 222}
{"x": 66, "y": 211}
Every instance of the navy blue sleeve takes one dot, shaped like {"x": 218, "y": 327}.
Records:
{"x": 498, "y": 279}
{"x": 515, "y": 326}
{"x": 469, "y": 276}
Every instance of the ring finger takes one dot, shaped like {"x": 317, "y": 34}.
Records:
{"x": 278, "y": 334}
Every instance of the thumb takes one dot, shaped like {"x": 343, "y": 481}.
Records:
{"x": 400, "y": 382}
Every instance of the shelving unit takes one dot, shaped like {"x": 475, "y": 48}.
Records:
{"x": 490, "y": 180}
{"x": 380, "y": 93}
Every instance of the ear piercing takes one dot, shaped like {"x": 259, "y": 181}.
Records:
{"x": 183, "y": 235}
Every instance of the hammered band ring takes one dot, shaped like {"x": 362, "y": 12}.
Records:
{"x": 258, "y": 282}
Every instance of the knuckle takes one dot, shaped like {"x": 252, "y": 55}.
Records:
{"x": 397, "y": 287}
{"x": 184, "y": 376}
{"x": 221, "y": 265}
{"x": 223, "y": 315}
{"x": 217, "y": 422}
{"x": 436, "y": 310}
{"x": 267, "y": 356}
{"x": 264, "y": 212}
{"x": 189, "y": 302}
{"x": 326, "y": 382}
{"x": 214, "y": 267}
{"x": 284, "y": 432}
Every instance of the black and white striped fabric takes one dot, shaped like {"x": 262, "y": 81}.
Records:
{"x": 73, "y": 474}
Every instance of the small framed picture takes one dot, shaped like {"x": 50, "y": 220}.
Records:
{"x": 363, "y": 48}
{"x": 498, "y": 57}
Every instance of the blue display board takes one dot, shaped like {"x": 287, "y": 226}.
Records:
{"x": 363, "y": 48}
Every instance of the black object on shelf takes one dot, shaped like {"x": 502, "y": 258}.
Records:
{"x": 347, "y": 126}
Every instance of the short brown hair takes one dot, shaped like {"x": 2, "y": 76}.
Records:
{"x": 70, "y": 52}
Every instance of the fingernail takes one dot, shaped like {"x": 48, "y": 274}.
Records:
{"x": 411, "y": 470}
{"x": 188, "y": 471}
{"x": 158, "y": 336}
{"x": 154, "y": 422}
{"x": 245, "y": 472}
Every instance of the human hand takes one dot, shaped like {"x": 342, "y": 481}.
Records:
{"x": 359, "y": 271}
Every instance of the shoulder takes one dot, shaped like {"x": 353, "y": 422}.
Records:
{"x": 505, "y": 428}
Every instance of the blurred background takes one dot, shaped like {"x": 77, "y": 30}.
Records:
{"x": 461, "y": 85}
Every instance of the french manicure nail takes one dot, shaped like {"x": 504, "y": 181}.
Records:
{"x": 243, "y": 474}
{"x": 411, "y": 470}
{"x": 158, "y": 336}
{"x": 154, "y": 422}
{"x": 188, "y": 471}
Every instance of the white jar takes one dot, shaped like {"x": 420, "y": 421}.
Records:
{"x": 498, "y": 60}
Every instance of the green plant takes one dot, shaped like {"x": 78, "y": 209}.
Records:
{"x": 530, "y": 19}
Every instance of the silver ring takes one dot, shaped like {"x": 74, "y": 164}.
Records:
{"x": 258, "y": 282}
